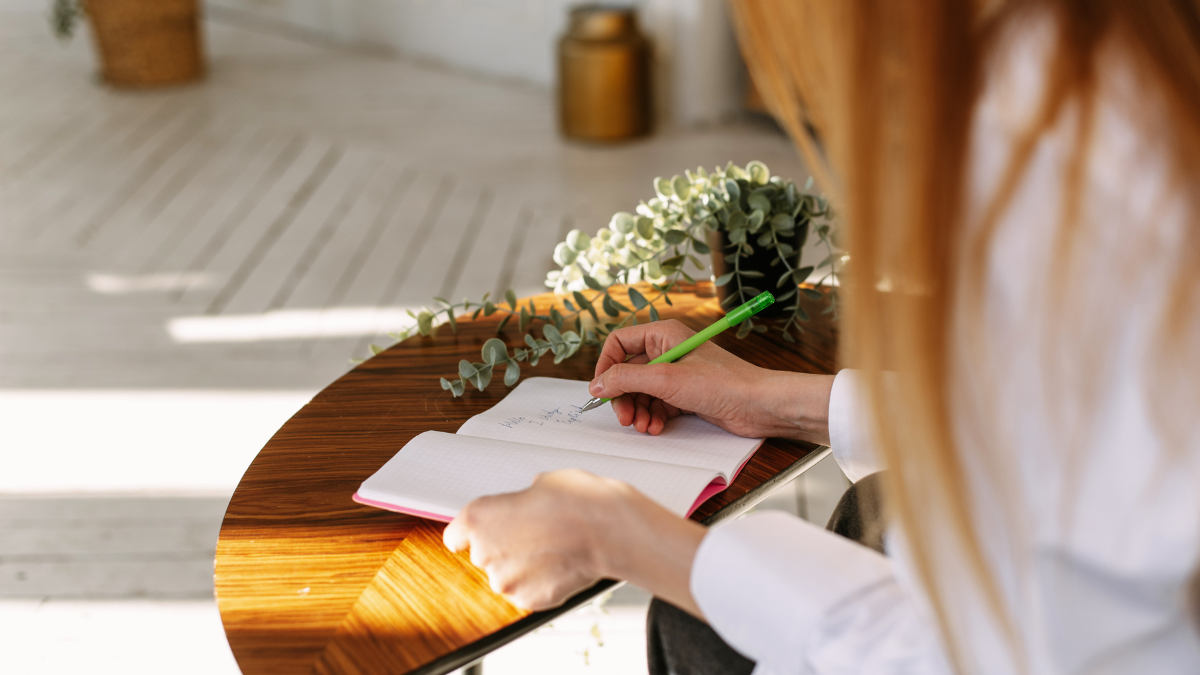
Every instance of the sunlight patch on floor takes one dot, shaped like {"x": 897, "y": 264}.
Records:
{"x": 120, "y": 637}
{"x": 136, "y": 441}
{"x": 120, "y": 284}
{"x": 292, "y": 324}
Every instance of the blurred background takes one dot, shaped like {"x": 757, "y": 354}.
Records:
{"x": 193, "y": 245}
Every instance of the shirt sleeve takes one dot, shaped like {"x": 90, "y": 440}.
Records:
{"x": 849, "y": 426}
{"x": 799, "y": 599}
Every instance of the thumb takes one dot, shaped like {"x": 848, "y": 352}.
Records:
{"x": 625, "y": 378}
{"x": 455, "y": 536}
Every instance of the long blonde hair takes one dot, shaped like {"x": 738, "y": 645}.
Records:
{"x": 891, "y": 89}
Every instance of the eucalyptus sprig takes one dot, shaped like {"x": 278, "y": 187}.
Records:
{"x": 655, "y": 245}
{"x": 580, "y": 322}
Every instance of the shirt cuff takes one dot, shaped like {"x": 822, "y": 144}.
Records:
{"x": 850, "y": 426}
{"x": 764, "y": 583}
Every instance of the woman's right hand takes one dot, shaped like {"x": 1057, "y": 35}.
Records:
{"x": 709, "y": 382}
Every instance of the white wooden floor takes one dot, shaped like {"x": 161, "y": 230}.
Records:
{"x": 183, "y": 268}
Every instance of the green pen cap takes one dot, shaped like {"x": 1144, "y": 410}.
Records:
{"x": 754, "y": 306}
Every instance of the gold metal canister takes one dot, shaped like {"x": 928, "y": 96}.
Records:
{"x": 603, "y": 75}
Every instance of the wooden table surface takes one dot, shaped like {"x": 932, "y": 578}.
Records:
{"x": 307, "y": 581}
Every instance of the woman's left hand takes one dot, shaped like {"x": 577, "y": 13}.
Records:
{"x": 571, "y": 528}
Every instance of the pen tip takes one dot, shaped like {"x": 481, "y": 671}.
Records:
{"x": 591, "y": 405}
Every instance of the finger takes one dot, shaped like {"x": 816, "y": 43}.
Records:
{"x": 641, "y": 420}
{"x": 658, "y": 417}
{"x": 455, "y": 536}
{"x": 623, "y": 407}
{"x": 645, "y": 338}
{"x": 626, "y": 378}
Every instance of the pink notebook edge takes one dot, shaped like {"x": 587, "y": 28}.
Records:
{"x": 712, "y": 489}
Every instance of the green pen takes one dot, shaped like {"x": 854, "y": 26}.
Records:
{"x": 733, "y": 318}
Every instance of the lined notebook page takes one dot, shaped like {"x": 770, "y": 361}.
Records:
{"x": 441, "y": 473}
{"x": 545, "y": 411}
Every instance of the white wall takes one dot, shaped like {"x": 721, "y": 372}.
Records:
{"x": 698, "y": 72}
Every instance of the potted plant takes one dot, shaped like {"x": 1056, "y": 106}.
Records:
{"x": 141, "y": 43}
{"x": 753, "y": 225}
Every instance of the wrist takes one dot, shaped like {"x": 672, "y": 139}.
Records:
{"x": 796, "y": 405}
{"x": 650, "y": 547}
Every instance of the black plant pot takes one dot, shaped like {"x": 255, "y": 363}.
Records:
{"x": 759, "y": 261}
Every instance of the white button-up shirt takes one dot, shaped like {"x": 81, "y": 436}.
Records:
{"x": 1106, "y": 508}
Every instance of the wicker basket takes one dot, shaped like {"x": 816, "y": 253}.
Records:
{"x": 147, "y": 43}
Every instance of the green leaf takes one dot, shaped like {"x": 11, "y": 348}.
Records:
{"x": 375, "y": 349}
{"x": 552, "y": 335}
{"x": 653, "y": 313}
{"x": 766, "y": 238}
{"x": 523, "y": 320}
{"x": 503, "y": 323}
{"x": 667, "y": 298}
{"x": 483, "y": 376}
{"x": 512, "y": 373}
{"x": 782, "y": 222}
{"x": 751, "y": 274}
{"x": 424, "y": 322}
{"x": 570, "y": 345}
{"x": 511, "y": 297}
{"x": 731, "y": 189}
{"x": 784, "y": 296}
{"x": 494, "y": 351}
{"x": 443, "y": 301}
{"x": 452, "y": 321}
{"x": 808, "y": 183}
{"x": 826, "y": 262}
{"x": 759, "y": 202}
{"x": 637, "y": 298}
{"x": 488, "y": 309}
{"x": 618, "y": 305}
{"x": 621, "y": 222}
{"x": 476, "y": 313}
{"x": 457, "y": 387}
{"x": 759, "y": 173}
{"x": 662, "y": 186}
{"x": 723, "y": 279}
{"x": 755, "y": 220}
{"x": 675, "y": 237}
{"x": 802, "y": 314}
{"x": 813, "y": 294}
{"x": 570, "y": 306}
{"x": 681, "y": 187}
{"x": 556, "y": 317}
{"x": 610, "y": 306}
{"x": 737, "y": 220}
{"x": 788, "y": 337}
{"x": 466, "y": 370}
{"x": 801, "y": 274}
{"x": 445, "y": 383}
{"x": 592, "y": 283}
{"x": 744, "y": 329}
{"x": 700, "y": 247}
{"x": 645, "y": 228}
{"x": 585, "y": 304}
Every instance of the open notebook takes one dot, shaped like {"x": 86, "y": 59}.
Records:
{"x": 538, "y": 427}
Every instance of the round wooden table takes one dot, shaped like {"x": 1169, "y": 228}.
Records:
{"x": 307, "y": 581}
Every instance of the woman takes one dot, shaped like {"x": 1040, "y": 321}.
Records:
{"x": 1019, "y": 183}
